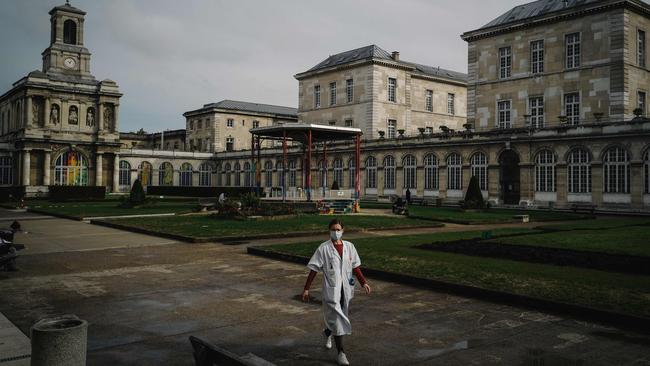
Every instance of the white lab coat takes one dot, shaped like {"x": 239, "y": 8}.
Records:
{"x": 337, "y": 272}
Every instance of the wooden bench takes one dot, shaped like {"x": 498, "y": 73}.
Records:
{"x": 583, "y": 206}
{"x": 208, "y": 354}
{"x": 522, "y": 218}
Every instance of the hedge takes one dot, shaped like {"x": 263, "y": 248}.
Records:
{"x": 11, "y": 193}
{"x": 196, "y": 191}
{"x": 77, "y": 193}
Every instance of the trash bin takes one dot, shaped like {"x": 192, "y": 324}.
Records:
{"x": 59, "y": 341}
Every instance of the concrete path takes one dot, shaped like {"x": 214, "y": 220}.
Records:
{"x": 14, "y": 345}
{"x": 142, "y": 302}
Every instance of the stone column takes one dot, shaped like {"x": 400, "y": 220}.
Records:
{"x": 26, "y": 166}
{"x": 47, "y": 162}
{"x": 442, "y": 181}
{"x": 116, "y": 113}
{"x": 637, "y": 175}
{"x": 419, "y": 180}
{"x": 561, "y": 187}
{"x": 99, "y": 170}
{"x": 597, "y": 183}
{"x": 116, "y": 173}
{"x": 380, "y": 181}
{"x": 493, "y": 182}
{"x": 46, "y": 112}
{"x": 29, "y": 112}
{"x": 466, "y": 176}
{"x": 99, "y": 118}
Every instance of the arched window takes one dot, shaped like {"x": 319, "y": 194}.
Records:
{"x": 145, "y": 171}
{"x": 478, "y": 163}
{"x": 227, "y": 174}
{"x": 616, "y": 166}
{"x": 371, "y": 172}
{"x": 71, "y": 169}
{"x": 292, "y": 173}
{"x": 431, "y": 172}
{"x": 338, "y": 172}
{"x": 237, "y": 174}
{"x": 268, "y": 173}
{"x": 352, "y": 171}
{"x": 322, "y": 174}
{"x": 186, "y": 174}
{"x": 6, "y": 169}
{"x": 125, "y": 173}
{"x": 205, "y": 175}
{"x": 70, "y": 32}
{"x": 279, "y": 167}
{"x": 219, "y": 174}
{"x": 646, "y": 168}
{"x": 579, "y": 171}
{"x": 410, "y": 171}
{"x": 545, "y": 171}
{"x": 454, "y": 172}
{"x": 166, "y": 174}
{"x": 389, "y": 172}
{"x": 248, "y": 175}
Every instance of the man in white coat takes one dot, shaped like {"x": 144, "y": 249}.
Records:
{"x": 337, "y": 259}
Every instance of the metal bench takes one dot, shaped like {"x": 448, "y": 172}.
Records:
{"x": 583, "y": 206}
{"x": 523, "y": 218}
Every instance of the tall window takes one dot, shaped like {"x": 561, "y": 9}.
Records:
{"x": 205, "y": 175}
{"x": 579, "y": 171}
{"x": 256, "y": 124}
{"x": 391, "y": 128}
{"x": 431, "y": 172}
{"x": 454, "y": 172}
{"x": 349, "y": 90}
{"x": 165, "y": 174}
{"x": 230, "y": 144}
{"x": 572, "y": 108}
{"x": 227, "y": 173}
{"x": 504, "y": 115}
{"x": 268, "y": 173}
{"x": 389, "y": 172}
{"x": 338, "y": 172}
{"x": 352, "y": 171}
{"x": 478, "y": 164}
{"x": 317, "y": 96}
{"x": 536, "y": 107}
{"x": 248, "y": 175}
{"x": 572, "y": 45}
{"x": 333, "y": 93}
{"x": 145, "y": 173}
{"x": 646, "y": 168}
{"x": 348, "y": 123}
{"x": 428, "y": 101}
{"x": 537, "y": 57}
{"x": 617, "y": 171}
{"x": 230, "y": 123}
{"x": 392, "y": 89}
{"x": 410, "y": 171}
{"x": 71, "y": 169}
{"x": 186, "y": 174}
{"x": 640, "y": 49}
{"x": 451, "y": 105}
{"x": 200, "y": 124}
{"x": 237, "y": 174}
{"x": 279, "y": 168}
{"x": 69, "y": 32}
{"x": 219, "y": 174}
{"x": 322, "y": 173}
{"x": 505, "y": 62}
{"x": 292, "y": 173}
{"x": 545, "y": 171}
{"x": 641, "y": 102}
{"x": 371, "y": 172}
{"x": 125, "y": 173}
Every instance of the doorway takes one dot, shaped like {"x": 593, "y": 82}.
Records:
{"x": 509, "y": 187}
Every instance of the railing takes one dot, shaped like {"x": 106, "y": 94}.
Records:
{"x": 300, "y": 194}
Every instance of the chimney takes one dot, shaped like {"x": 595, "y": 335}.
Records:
{"x": 395, "y": 55}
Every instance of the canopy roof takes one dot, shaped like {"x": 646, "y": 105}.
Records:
{"x": 299, "y": 132}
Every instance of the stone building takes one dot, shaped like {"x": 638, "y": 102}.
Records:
{"x": 371, "y": 89}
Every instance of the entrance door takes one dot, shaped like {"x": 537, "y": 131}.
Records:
{"x": 509, "y": 177}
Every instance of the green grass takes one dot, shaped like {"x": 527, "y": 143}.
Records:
{"x": 612, "y": 235}
{"x": 110, "y": 208}
{"x": 491, "y": 216}
{"x": 611, "y": 291}
{"x": 212, "y": 226}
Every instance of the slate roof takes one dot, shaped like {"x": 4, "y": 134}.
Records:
{"x": 374, "y": 52}
{"x": 251, "y": 107}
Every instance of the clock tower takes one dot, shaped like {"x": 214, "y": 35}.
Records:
{"x": 66, "y": 54}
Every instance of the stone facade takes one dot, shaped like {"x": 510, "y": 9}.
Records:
{"x": 367, "y": 104}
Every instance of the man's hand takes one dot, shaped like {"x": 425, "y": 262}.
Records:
{"x": 367, "y": 288}
{"x": 305, "y": 296}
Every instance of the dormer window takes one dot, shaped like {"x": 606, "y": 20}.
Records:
{"x": 70, "y": 32}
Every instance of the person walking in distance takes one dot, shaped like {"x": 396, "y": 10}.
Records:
{"x": 336, "y": 259}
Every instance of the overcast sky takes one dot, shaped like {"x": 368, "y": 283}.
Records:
{"x": 171, "y": 56}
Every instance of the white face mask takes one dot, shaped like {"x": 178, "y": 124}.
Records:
{"x": 336, "y": 235}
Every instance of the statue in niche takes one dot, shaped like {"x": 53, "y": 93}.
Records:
{"x": 108, "y": 117}
{"x": 73, "y": 116}
{"x": 90, "y": 117}
{"x": 36, "y": 109}
{"x": 54, "y": 114}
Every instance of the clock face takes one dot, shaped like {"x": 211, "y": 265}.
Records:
{"x": 70, "y": 63}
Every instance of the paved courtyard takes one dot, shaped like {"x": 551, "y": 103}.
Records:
{"x": 144, "y": 296}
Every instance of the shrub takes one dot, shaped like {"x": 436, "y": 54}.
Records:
{"x": 335, "y": 186}
{"x": 250, "y": 200}
{"x": 137, "y": 195}
{"x": 473, "y": 196}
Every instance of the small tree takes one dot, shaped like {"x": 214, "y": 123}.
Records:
{"x": 137, "y": 195}
{"x": 473, "y": 196}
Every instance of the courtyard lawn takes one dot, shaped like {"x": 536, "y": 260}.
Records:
{"x": 604, "y": 290}
{"x": 110, "y": 208}
{"x": 201, "y": 227}
{"x": 615, "y": 236}
{"x": 490, "y": 216}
